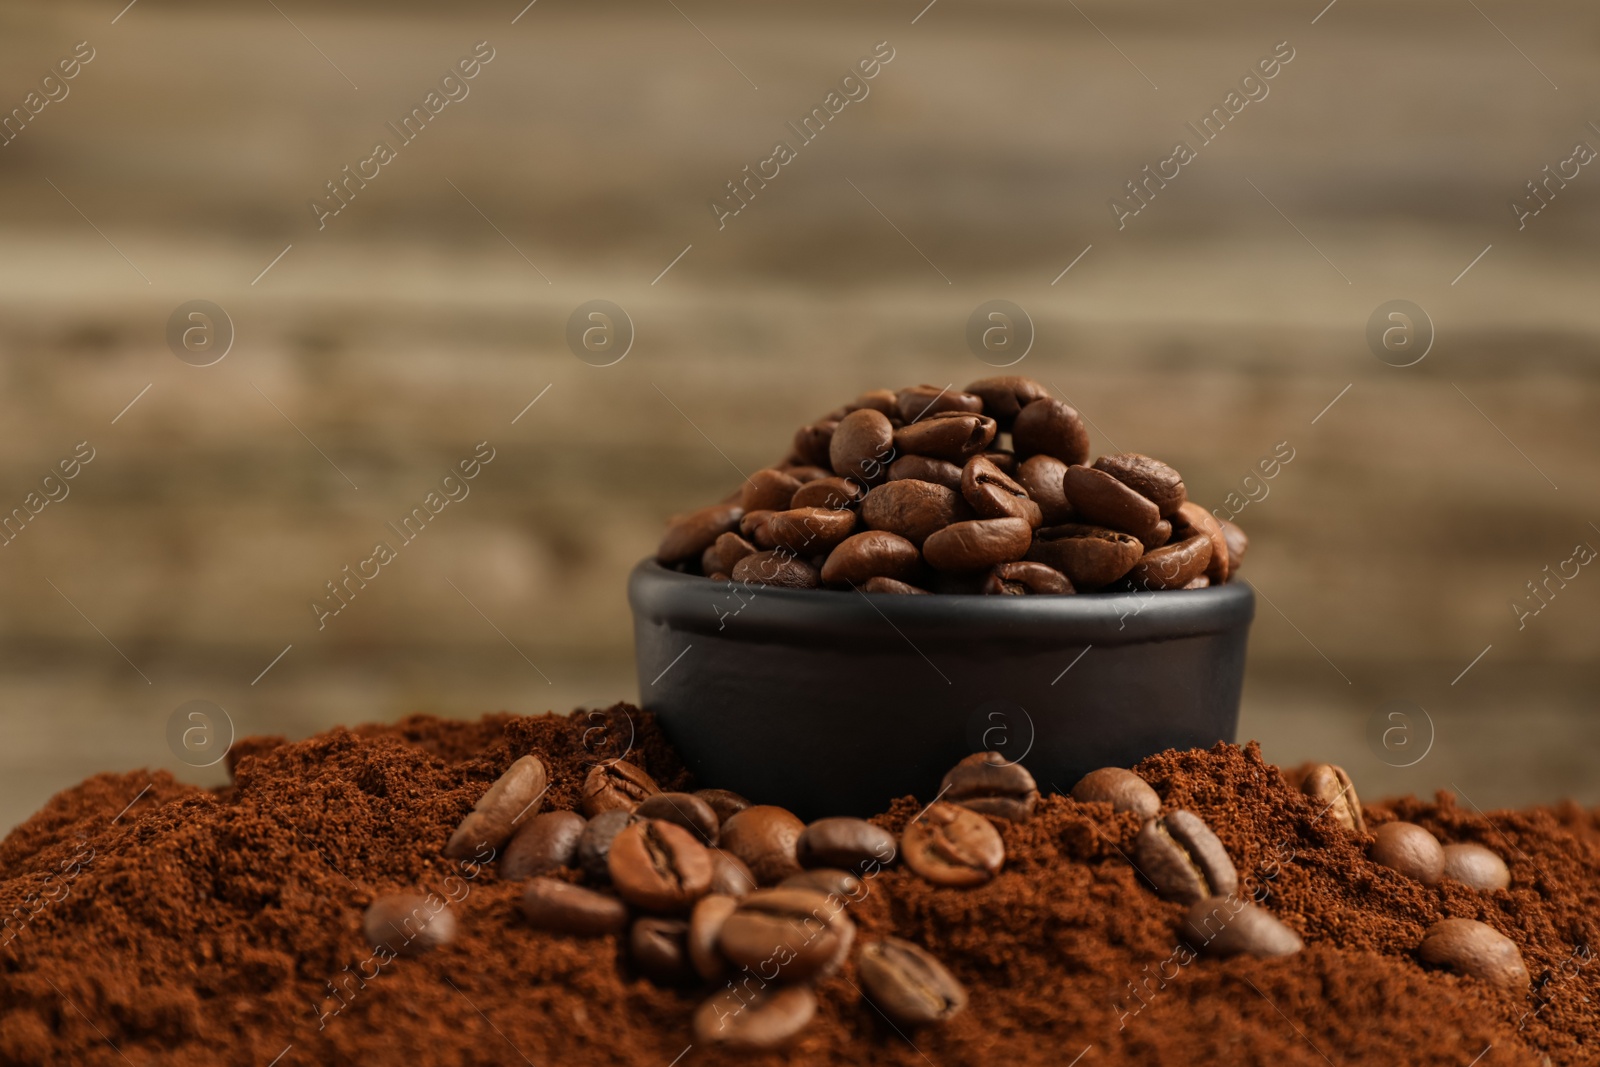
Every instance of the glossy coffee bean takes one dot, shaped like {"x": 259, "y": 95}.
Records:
{"x": 863, "y": 446}
{"x": 950, "y": 435}
{"x": 871, "y": 554}
{"x": 687, "y": 536}
{"x": 907, "y": 984}
{"x": 724, "y": 553}
{"x": 810, "y": 531}
{"x": 768, "y": 490}
{"x": 659, "y": 866}
{"x": 1026, "y": 579}
{"x": 1158, "y": 536}
{"x": 1331, "y": 790}
{"x": 844, "y": 842}
{"x": 994, "y": 495}
{"x": 1469, "y": 947}
{"x": 765, "y": 837}
{"x": 729, "y": 875}
{"x": 514, "y": 797}
{"x": 777, "y": 567}
{"x": 685, "y": 810}
{"x": 978, "y": 544}
{"x": 615, "y": 785}
{"x": 834, "y": 493}
{"x": 1192, "y": 519}
{"x": 1052, "y": 428}
{"x": 1121, "y": 788}
{"x": 1409, "y": 849}
{"x": 659, "y": 948}
{"x": 1237, "y": 543}
{"x": 1172, "y": 566}
{"x": 1098, "y": 498}
{"x": 835, "y": 882}
{"x": 926, "y": 469}
{"x": 563, "y": 908}
{"x": 409, "y": 924}
{"x": 889, "y": 585}
{"x": 1148, "y": 477}
{"x": 1006, "y": 395}
{"x": 1092, "y": 557}
{"x": 913, "y": 509}
{"x": 924, "y": 401}
{"x": 878, "y": 400}
{"x": 1232, "y": 926}
{"x": 986, "y": 782}
{"x": 594, "y": 844}
{"x": 725, "y": 803}
{"x": 1476, "y": 866}
{"x": 798, "y": 933}
{"x": 953, "y": 846}
{"x": 813, "y": 443}
{"x": 547, "y": 842}
{"x": 1044, "y": 477}
{"x": 705, "y": 927}
{"x": 1183, "y": 859}
{"x": 771, "y": 1018}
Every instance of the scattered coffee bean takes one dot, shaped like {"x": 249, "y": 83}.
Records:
{"x": 1006, "y": 395}
{"x": 1049, "y": 427}
{"x": 765, "y": 838}
{"x": 829, "y": 881}
{"x": 951, "y": 845}
{"x": 988, "y": 783}
{"x": 1148, "y": 477}
{"x": 729, "y": 875}
{"x": 889, "y": 585}
{"x": 1100, "y": 499}
{"x": 659, "y": 866}
{"x": 1092, "y": 557}
{"x": 563, "y": 908}
{"x": 769, "y": 490}
{"x": 844, "y": 842}
{"x": 594, "y": 844}
{"x": 992, "y": 494}
{"x": 725, "y": 803}
{"x": 689, "y": 535}
{"x": 1180, "y": 855}
{"x": 1409, "y": 849}
{"x": 409, "y": 924}
{"x": 735, "y": 1019}
{"x": 685, "y": 810}
{"x": 1172, "y": 566}
{"x": 545, "y": 843}
{"x": 868, "y": 555}
{"x": 1329, "y": 787}
{"x": 978, "y": 544}
{"x": 1044, "y": 478}
{"x": 907, "y": 984}
{"x": 797, "y": 933}
{"x": 1472, "y": 948}
{"x": 862, "y": 446}
{"x": 705, "y": 927}
{"x": 1026, "y": 579}
{"x": 913, "y": 509}
{"x": 1476, "y": 866}
{"x": 1232, "y": 926}
{"x": 922, "y": 401}
{"x": 926, "y": 469}
{"x": 615, "y": 785}
{"x": 779, "y": 568}
{"x": 1121, "y": 788}
{"x": 513, "y": 797}
{"x": 827, "y": 493}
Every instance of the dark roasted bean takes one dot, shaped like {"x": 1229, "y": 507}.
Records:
{"x": 1043, "y": 478}
{"x": 659, "y": 866}
{"x": 777, "y": 567}
{"x": 830, "y": 881}
{"x": 1005, "y": 461}
{"x": 1329, "y": 787}
{"x": 685, "y": 810}
{"x": 1092, "y": 557}
{"x": 659, "y": 948}
{"x": 810, "y": 531}
{"x": 1052, "y": 428}
{"x": 725, "y": 803}
{"x": 1006, "y": 395}
{"x": 828, "y": 493}
{"x": 729, "y": 875}
{"x": 735, "y": 1019}
{"x": 950, "y": 435}
{"x": 687, "y": 536}
{"x": 844, "y": 842}
{"x": 924, "y": 401}
{"x": 907, "y": 984}
{"x": 764, "y": 837}
{"x": 1477, "y": 949}
{"x": 513, "y": 797}
{"x": 1148, "y": 477}
{"x": 768, "y": 490}
{"x": 409, "y": 924}
{"x": 986, "y": 782}
{"x": 615, "y": 785}
{"x": 546, "y": 842}
{"x": 1103, "y": 501}
{"x": 705, "y": 927}
{"x": 1026, "y": 579}
{"x": 863, "y": 446}
{"x": 913, "y": 509}
{"x": 1122, "y": 789}
{"x": 1184, "y": 859}
{"x": 799, "y": 933}
{"x": 871, "y": 554}
{"x": 1476, "y": 866}
{"x": 1409, "y": 849}
{"x": 889, "y": 585}
{"x": 1232, "y": 926}
{"x": 594, "y": 844}
{"x": 1172, "y": 566}
{"x": 992, "y": 494}
{"x": 563, "y": 908}
{"x": 951, "y": 845}
{"x": 978, "y": 544}
{"x": 1193, "y": 519}
{"x": 926, "y": 469}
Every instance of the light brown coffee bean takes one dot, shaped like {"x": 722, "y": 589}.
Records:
{"x": 729, "y": 875}
{"x": 1148, "y": 477}
{"x": 547, "y": 842}
{"x": 1330, "y": 788}
{"x": 889, "y": 585}
{"x": 810, "y": 531}
{"x": 705, "y": 927}
{"x": 409, "y": 924}
{"x": 1232, "y": 926}
{"x": 1044, "y": 478}
{"x": 863, "y": 446}
{"x": 907, "y": 984}
{"x": 1180, "y": 855}
{"x": 725, "y": 803}
{"x": 926, "y": 469}
{"x": 1159, "y": 535}
{"x": 1006, "y": 395}
{"x": 924, "y": 401}
{"x": 951, "y": 845}
{"x": 871, "y": 554}
{"x": 1098, "y": 498}
{"x": 913, "y": 509}
{"x": 594, "y": 844}
{"x": 685, "y": 810}
{"x": 798, "y": 933}
{"x": 949, "y": 435}
{"x": 1237, "y": 543}
{"x": 1194, "y": 519}
{"x": 978, "y": 544}
{"x": 1469, "y": 947}
{"x": 1409, "y": 849}
{"x": 986, "y": 782}
{"x": 1172, "y": 566}
{"x": 1092, "y": 557}
{"x": 1026, "y": 579}
{"x": 778, "y": 567}
{"x": 753, "y": 528}
{"x": 813, "y": 443}
{"x": 836, "y": 493}
{"x": 768, "y": 490}
{"x": 804, "y": 473}
{"x": 615, "y": 785}
{"x": 734, "y": 1019}
{"x": 513, "y": 797}
{"x": 1476, "y": 866}
{"x": 659, "y": 866}
{"x": 831, "y": 882}
{"x": 844, "y": 842}
{"x": 563, "y": 908}
{"x": 994, "y": 495}
{"x": 724, "y": 552}
{"x": 687, "y": 536}
{"x": 1051, "y": 428}
{"x": 659, "y": 948}
{"x": 1121, "y": 788}
{"x": 765, "y": 838}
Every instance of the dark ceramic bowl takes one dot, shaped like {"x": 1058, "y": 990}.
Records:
{"x": 835, "y": 703}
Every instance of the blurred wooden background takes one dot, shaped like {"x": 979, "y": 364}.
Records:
{"x": 378, "y": 351}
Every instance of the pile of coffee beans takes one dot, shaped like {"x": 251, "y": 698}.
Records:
{"x": 985, "y": 490}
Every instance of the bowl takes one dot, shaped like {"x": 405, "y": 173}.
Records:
{"x": 837, "y": 702}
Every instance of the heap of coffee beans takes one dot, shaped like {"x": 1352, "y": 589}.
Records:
{"x": 985, "y": 490}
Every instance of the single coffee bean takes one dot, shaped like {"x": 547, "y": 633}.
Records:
{"x": 753, "y": 528}
{"x": 805, "y": 474}
{"x": 765, "y": 837}
{"x": 834, "y": 493}
{"x": 659, "y": 948}
{"x": 1172, "y": 566}
{"x": 659, "y": 866}
{"x": 1330, "y": 788}
{"x": 1237, "y": 543}
{"x": 1159, "y": 535}
{"x": 513, "y": 797}
{"x": 994, "y": 495}
{"x": 844, "y": 842}
{"x": 924, "y": 401}
{"x": 878, "y": 400}
{"x": 724, "y": 552}
{"x": 951, "y": 435}
{"x": 1006, "y": 395}
{"x": 1092, "y": 557}
{"x": 1193, "y": 519}
{"x": 871, "y": 554}
{"x": 1148, "y": 477}
{"x": 685, "y": 810}
{"x": 863, "y": 446}
{"x": 1122, "y": 789}
{"x": 1026, "y": 579}
{"x": 563, "y": 908}
{"x": 926, "y": 469}
{"x": 409, "y": 924}
{"x": 1051, "y": 428}
{"x": 907, "y": 984}
{"x": 777, "y": 567}
{"x": 689, "y": 535}
{"x": 978, "y": 544}
{"x": 725, "y": 803}
{"x": 705, "y": 927}
{"x": 1044, "y": 479}
{"x": 734, "y": 1019}
{"x": 1232, "y": 926}
{"x": 1409, "y": 849}
{"x": 1102, "y": 500}
{"x": 799, "y": 933}
{"x": 769, "y": 490}
{"x": 1476, "y": 866}
{"x": 810, "y": 531}
{"x": 913, "y": 509}
{"x": 594, "y": 844}
{"x": 987, "y": 783}
{"x": 1473, "y": 948}
{"x": 1180, "y": 855}
{"x": 729, "y": 875}
{"x": 889, "y": 585}
{"x": 1005, "y": 461}
{"x": 830, "y": 882}
{"x": 547, "y": 842}
{"x": 951, "y": 845}
{"x": 813, "y": 444}
{"x": 615, "y": 785}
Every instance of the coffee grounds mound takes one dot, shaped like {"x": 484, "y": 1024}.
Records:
{"x": 195, "y": 927}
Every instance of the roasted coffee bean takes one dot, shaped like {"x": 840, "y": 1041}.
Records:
{"x": 1005, "y": 462}
{"x": 810, "y": 531}
{"x": 799, "y": 933}
{"x": 1194, "y": 519}
{"x": 1092, "y": 557}
{"x": 1026, "y": 579}
{"x": 594, "y": 844}
{"x": 1051, "y": 428}
{"x": 689, "y": 535}
{"x": 813, "y": 444}
{"x": 705, "y": 927}
{"x": 829, "y": 881}
{"x": 913, "y": 509}
{"x": 768, "y": 490}
{"x": 992, "y": 494}
{"x": 1329, "y": 787}
{"x": 871, "y": 554}
{"x": 1148, "y": 477}
{"x": 926, "y": 469}
{"x": 563, "y": 908}
{"x": 863, "y": 446}
{"x": 1473, "y": 948}
{"x": 615, "y": 785}
{"x": 1180, "y": 855}
{"x": 409, "y": 924}
{"x": 765, "y": 838}
{"x": 907, "y": 984}
{"x": 725, "y": 803}
{"x": 1005, "y": 396}
{"x": 987, "y": 783}
{"x": 659, "y": 866}
{"x": 1237, "y": 543}
{"x": 924, "y": 401}
{"x": 951, "y": 845}
{"x": 1044, "y": 478}
{"x": 1121, "y": 788}
{"x": 734, "y": 1019}
{"x": 513, "y": 797}
{"x": 753, "y": 527}
{"x": 951, "y": 435}
{"x": 729, "y": 875}
{"x": 978, "y": 544}
{"x": 1232, "y": 926}
{"x": 1409, "y": 849}
{"x": 828, "y": 493}
{"x": 804, "y": 473}
{"x": 844, "y": 842}
{"x": 889, "y": 585}
{"x": 1100, "y": 499}
{"x": 1159, "y": 535}
{"x": 685, "y": 810}
{"x": 659, "y": 948}
{"x": 1476, "y": 866}
{"x": 877, "y": 399}
{"x": 778, "y": 567}
{"x": 727, "y": 550}
{"x": 1172, "y": 566}
{"x": 547, "y": 842}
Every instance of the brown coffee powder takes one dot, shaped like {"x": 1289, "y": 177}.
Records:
{"x": 224, "y": 927}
